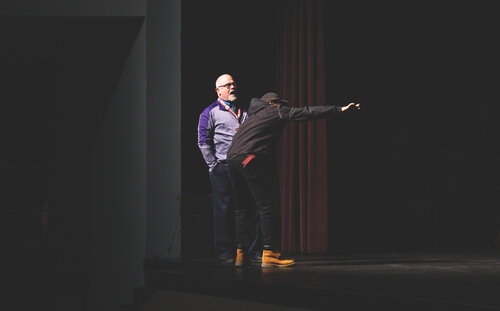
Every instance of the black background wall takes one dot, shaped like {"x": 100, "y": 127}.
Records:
{"x": 416, "y": 169}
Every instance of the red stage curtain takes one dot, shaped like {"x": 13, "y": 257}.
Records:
{"x": 303, "y": 159}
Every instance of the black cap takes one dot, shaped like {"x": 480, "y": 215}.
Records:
{"x": 274, "y": 97}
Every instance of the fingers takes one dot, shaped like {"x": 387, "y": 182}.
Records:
{"x": 352, "y": 106}
{"x": 355, "y": 105}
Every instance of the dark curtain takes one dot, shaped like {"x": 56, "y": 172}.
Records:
{"x": 303, "y": 159}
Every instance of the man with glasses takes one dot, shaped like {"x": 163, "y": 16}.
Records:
{"x": 217, "y": 125}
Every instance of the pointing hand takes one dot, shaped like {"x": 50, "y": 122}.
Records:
{"x": 351, "y": 106}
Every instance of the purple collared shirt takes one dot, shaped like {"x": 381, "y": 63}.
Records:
{"x": 216, "y": 128}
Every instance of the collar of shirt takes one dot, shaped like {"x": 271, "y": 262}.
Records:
{"x": 231, "y": 105}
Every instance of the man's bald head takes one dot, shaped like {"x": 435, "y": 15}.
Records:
{"x": 225, "y": 87}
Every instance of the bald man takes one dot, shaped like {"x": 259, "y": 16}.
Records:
{"x": 217, "y": 125}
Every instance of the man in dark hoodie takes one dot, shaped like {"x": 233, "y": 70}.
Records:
{"x": 250, "y": 160}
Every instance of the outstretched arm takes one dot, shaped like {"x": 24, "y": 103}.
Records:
{"x": 315, "y": 112}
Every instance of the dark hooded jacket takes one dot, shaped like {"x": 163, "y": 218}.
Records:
{"x": 265, "y": 122}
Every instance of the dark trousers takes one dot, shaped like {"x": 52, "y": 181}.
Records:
{"x": 224, "y": 226}
{"x": 254, "y": 183}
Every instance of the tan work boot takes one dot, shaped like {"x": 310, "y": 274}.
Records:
{"x": 272, "y": 259}
{"x": 240, "y": 258}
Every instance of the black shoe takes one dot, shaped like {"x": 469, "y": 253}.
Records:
{"x": 228, "y": 261}
{"x": 256, "y": 259}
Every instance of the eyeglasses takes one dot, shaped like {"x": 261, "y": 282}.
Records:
{"x": 228, "y": 85}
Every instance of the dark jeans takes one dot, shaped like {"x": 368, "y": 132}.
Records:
{"x": 224, "y": 227}
{"x": 254, "y": 183}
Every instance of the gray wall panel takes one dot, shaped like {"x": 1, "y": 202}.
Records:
{"x": 164, "y": 129}
{"x": 118, "y": 189}
{"x": 74, "y": 7}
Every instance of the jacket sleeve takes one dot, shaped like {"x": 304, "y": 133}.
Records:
{"x": 205, "y": 138}
{"x": 309, "y": 112}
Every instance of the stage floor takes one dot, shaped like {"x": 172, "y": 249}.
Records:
{"x": 407, "y": 281}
